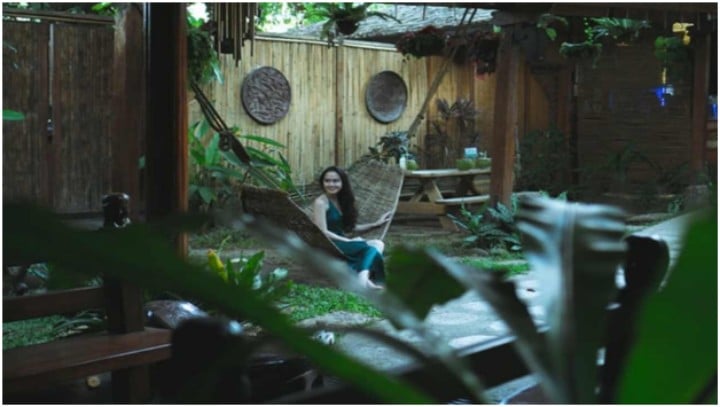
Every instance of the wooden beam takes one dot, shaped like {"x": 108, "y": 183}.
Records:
{"x": 701, "y": 78}
{"x": 509, "y": 80}
{"x": 166, "y": 140}
{"x": 616, "y": 9}
{"x": 58, "y": 16}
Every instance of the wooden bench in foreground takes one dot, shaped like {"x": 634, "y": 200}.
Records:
{"x": 126, "y": 349}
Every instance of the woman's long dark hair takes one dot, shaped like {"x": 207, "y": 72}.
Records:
{"x": 346, "y": 198}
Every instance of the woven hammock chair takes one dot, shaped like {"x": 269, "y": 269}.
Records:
{"x": 376, "y": 186}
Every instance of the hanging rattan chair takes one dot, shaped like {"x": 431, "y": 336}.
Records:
{"x": 376, "y": 186}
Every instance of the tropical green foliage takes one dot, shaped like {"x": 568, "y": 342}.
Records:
{"x": 452, "y": 130}
{"x": 246, "y": 272}
{"x": 203, "y": 61}
{"x": 491, "y": 226}
{"x": 351, "y": 13}
{"x": 603, "y": 30}
{"x": 392, "y": 146}
{"x": 575, "y": 249}
{"x": 674, "y": 360}
{"x": 215, "y": 171}
{"x": 142, "y": 255}
{"x": 544, "y": 161}
{"x": 675, "y": 56}
{"x": 209, "y": 182}
{"x": 546, "y": 23}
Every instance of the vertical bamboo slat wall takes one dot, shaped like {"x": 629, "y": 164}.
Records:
{"x": 81, "y": 89}
{"x": 360, "y": 129}
{"x": 327, "y": 112}
{"x": 69, "y": 169}
{"x": 25, "y": 89}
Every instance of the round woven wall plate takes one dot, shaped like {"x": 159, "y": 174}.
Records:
{"x": 386, "y": 96}
{"x": 265, "y": 95}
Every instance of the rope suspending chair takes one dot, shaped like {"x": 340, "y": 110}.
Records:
{"x": 228, "y": 141}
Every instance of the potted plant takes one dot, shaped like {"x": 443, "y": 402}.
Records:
{"x": 483, "y": 162}
{"x": 393, "y": 145}
{"x": 464, "y": 164}
{"x": 346, "y": 17}
{"x": 428, "y": 41}
{"x": 599, "y": 31}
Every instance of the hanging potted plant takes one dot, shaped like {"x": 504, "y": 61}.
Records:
{"x": 599, "y": 31}
{"x": 483, "y": 52}
{"x": 428, "y": 41}
{"x": 346, "y": 17}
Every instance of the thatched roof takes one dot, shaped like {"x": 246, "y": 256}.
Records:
{"x": 413, "y": 18}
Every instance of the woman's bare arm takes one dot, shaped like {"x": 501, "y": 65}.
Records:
{"x": 320, "y": 207}
{"x": 384, "y": 218}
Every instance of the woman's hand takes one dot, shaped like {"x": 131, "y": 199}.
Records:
{"x": 384, "y": 218}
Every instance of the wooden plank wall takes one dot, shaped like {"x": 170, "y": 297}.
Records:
{"x": 617, "y": 106}
{"x": 328, "y": 121}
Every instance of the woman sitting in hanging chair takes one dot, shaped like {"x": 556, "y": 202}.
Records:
{"x": 334, "y": 212}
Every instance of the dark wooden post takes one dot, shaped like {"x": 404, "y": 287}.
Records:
{"x": 701, "y": 78}
{"x": 128, "y": 126}
{"x": 124, "y": 309}
{"x": 167, "y": 154}
{"x": 509, "y": 85}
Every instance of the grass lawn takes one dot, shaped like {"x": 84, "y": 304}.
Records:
{"x": 30, "y": 331}
{"x": 305, "y": 301}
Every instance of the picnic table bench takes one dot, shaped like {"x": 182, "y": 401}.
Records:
{"x": 441, "y": 191}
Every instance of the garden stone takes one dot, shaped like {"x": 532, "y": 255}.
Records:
{"x": 170, "y": 313}
{"x": 338, "y": 318}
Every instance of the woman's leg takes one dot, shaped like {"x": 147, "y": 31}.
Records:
{"x": 365, "y": 281}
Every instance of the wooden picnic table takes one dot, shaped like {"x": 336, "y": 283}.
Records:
{"x": 429, "y": 199}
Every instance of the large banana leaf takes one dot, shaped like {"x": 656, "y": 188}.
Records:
{"x": 575, "y": 251}
{"x": 674, "y": 359}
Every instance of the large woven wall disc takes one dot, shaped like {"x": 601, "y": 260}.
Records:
{"x": 386, "y": 96}
{"x": 265, "y": 95}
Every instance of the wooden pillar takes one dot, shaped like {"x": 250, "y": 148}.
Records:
{"x": 167, "y": 151}
{"x": 127, "y": 132}
{"x": 509, "y": 81}
{"x": 701, "y": 78}
{"x": 128, "y": 126}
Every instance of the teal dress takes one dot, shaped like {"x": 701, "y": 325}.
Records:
{"x": 360, "y": 255}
